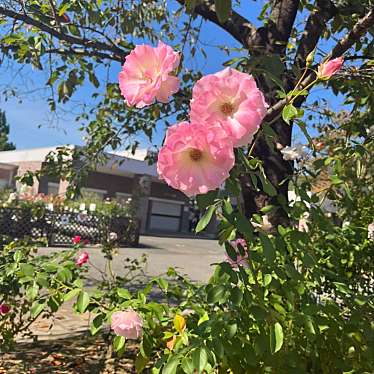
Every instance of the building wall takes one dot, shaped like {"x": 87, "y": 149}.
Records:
{"x": 23, "y": 167}
{"x": 110, "y": 183}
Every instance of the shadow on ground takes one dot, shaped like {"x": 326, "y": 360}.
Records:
{"x": 81, "y": 354}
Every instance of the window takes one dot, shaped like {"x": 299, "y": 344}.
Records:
{"x": 94, "y": 193}
{"x": 122, "y": 197}
{"x": 53, "y": 188}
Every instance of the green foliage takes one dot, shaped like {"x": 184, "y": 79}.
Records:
{"x": 5, "y": 145}
{"x": 33, "y": 286}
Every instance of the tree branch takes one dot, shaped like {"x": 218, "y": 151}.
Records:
{"x": 283, "y": 16}
{"x": 314, "y": 27}
{"x": 358, "y": 30}
{"x": 118, "y": 53}
{"x": 237, "y": 26}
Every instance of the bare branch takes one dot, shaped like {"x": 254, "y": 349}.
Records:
{"x": 237, "y": 26}
{"x": 314, "y": 27}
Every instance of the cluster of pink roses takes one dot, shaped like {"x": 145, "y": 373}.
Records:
{"x": 227, "y": 108}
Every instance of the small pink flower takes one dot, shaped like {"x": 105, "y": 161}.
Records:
{"x": 148, "y": 74}
{"x": 4, "y": 308}
{"x": 82, "y": 259}
{"x": 327, "y": 69}
{"x": 231, "y": 98}
{"x": 77, "y": 239}
{"x": 240, "y": 260}
{"x": 194, "y": 158}
{"x": 128, "y": 324}
{"x": 86, "y": 242}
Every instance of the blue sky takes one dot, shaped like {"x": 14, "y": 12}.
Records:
{"x": 32, "y": 124}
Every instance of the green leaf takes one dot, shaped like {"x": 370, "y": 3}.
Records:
{"x": 216, "y": 294}
{"x": 223, "y": 10}
{"x": 206, "y": 199}
{"x": 96, "y": 324}
{"x": 187, "y": 365}
{"x": 276, "y": 337}
{"x": 123, "y": 293}
{"x": 119, "y": 343}
{"x": 64, "y": 8}
{"x": 82, "y": 302}
{"x": 289, "y": 112}
{"x": 140, "y": 362}
{"x": 268, "y": 248}
{"x": 36, "y": 309}
{"x": 71, "y": 294}
{"x": 171, "y": 365}
{"x": 27, "y": 270}
{"x": 199, "y": 359}
{"x": 205, "y": 219}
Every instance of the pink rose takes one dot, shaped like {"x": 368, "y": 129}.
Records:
{"x": 76, "y": 240}
{"x": 327, "y": 69}
{"x": 148, "y": 74}
{"x": 82, "y": 259}
{"x": 4, "y": 308}
{"x": 128, "y": 324}
{"x": 231, "y": 98}
{"x": 194, "y": 158}
{"x": 240, "y": 260}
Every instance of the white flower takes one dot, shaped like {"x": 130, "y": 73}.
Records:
{"x": 12, "y": 196}
{"x": 113, "y": 236}
{"x": 371, "y": 231}
{"x": 370, "y": 131}
{"x": 296, "y": 152}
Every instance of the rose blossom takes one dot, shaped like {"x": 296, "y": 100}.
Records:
{"x": 4, "y": 308}
{"x": 128, "y": 324}
{"x": 327, "y": 69}
{"x": 148, "y": 74}
{"x": 233, "y": 99}
{"x": 77, "y": 239}
{"x": 240, "y": 260}
{"x": 194, "y": 158}
{"x": 82, "y": 259}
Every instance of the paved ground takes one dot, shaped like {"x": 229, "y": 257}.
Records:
{"x": 192, "y": 257}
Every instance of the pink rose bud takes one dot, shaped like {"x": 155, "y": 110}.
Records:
{"x": 195, "y": 158}
{"x": 327, "y": 69}
{"x": 77, "y": 239}
{"x": 4, "y": 308}
{"x": 82, "y": 259}
{"x": 240, "y": 260}
{"x": 147, "y": 74}
{"x": 128, "y": 324}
